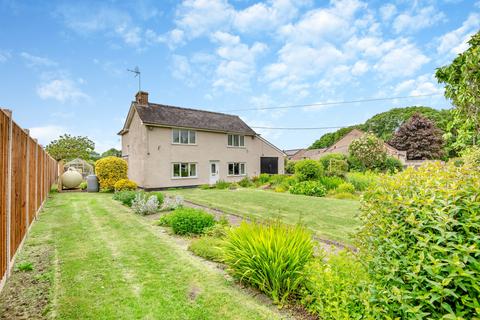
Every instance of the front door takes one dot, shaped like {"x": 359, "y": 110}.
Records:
{"x": 214, "y": 172}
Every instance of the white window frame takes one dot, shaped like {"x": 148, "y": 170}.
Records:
{"x": 240, "y": 165}
{"x": 189, "y": 169}
{"x": 240, "y": 139}
{"x": 189, "y": 133}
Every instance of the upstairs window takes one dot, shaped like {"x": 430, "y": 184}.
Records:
{"x": 181, "y": 136}
{"x": 235, "y": 140}
{"x": 236, "y": 169}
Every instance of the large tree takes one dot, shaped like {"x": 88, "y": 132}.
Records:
{"x": 420, "y": 137}
{"x": 462, "y": 87}
{"x": 69, "y": 147}
{"x": 112, "y": 152}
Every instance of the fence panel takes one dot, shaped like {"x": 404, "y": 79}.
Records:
{"x": 26, "y": 175}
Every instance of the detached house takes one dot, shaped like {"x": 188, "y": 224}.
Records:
{"x": 167, "y": 146}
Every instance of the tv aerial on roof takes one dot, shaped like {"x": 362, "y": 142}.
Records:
{"x": 138, "y": 74}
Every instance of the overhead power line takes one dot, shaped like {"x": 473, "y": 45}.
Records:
{"x": 298, "y": 128}
{"x": 332, "y": 103}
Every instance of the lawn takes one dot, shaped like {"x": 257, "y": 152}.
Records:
{"x": 108, "y": 263}
{"x": 329, "y": 218}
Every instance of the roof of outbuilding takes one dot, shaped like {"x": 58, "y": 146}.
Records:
{"x": 171, "y": 116}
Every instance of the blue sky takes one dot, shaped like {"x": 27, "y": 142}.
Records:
{"x": 63, "y": 63}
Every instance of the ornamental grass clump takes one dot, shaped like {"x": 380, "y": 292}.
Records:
{"x": 420, "y": 240}
{"x": 270, "y": 257}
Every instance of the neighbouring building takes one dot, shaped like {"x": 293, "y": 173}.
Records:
{"x": 342, "y": 145}
{"x": 167, "y": 146}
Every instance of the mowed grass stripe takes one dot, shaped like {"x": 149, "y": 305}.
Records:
{"x": 329, "y": 218}
{"x": 114, "y": 265}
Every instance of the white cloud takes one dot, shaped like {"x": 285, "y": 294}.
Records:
{"x": 62, "y": 90}
{"x": 237, "y": 61}
{"x": 422, "y": 85}
{"x": 419, "y": 19}
{"x": 47, "y": 133}
{"x": 36, "y": 61}
{"x": 200, "y": 17}
{"x": 181, "y": 69}
{"x": 455, "y": 42}
{"x": 4, "y": 56}
{"x": 402, "y": 60}
{"x": 85, "y": 19}
{"x": 359, "y": 68}
{"x": 387, "y": 11}
{"x": 172, "y": 39}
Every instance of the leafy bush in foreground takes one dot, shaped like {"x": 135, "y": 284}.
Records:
{"x": 420, "y": 239}
{"x": 125, "y": 184}
{"x": 190, "y": 221}
{"x": 308, "y": 170}
{"x": 270, "y": 257}
{"x": 337, "y": 287}
{"x": 309, "y": 188}
{"x": 125, "y": 197}
{"x": 144, "y": 204}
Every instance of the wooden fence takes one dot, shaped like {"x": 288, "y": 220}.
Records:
{"x": 27, "y": 172}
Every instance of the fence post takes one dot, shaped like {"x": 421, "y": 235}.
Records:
{"x": 36, "y": 177}
{"x": 9, "y": 188}
{"x": 27, "y": 187}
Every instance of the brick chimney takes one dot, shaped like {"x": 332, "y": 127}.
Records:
{"x": 142, "y": 98}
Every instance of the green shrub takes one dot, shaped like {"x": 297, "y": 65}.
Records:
{"x": 369, "y": 150}
{"x": 125, "y": 197}
{"x": 165, "y": 220}
{"x": 354, "y": 164}
{"x": 233, "y": 186}
{"x": 325, "y": 160}
{"x": 125, "y": 184}
{"x": 280, "y": 189}
{"x": 209, "y": 248}
{"x": 159, "y": 196}
{"x": 290, "y": 167}
{"x": 337, "y": 168}
{"x": 420, "y": 241}
{"x": 263, "y": 178}
{"x": 190, "y": 221}
{"x": 471, "y": 157}
{"x": 337, "y": 287}
{"x": 206, "y": 187}
{"x": 222, "y": 184}
{"x": 245, "y": 183}
{"x": 392, "y": 165}
{"x": 346, "y": 187}
{"x": 109, "y": 170}
{"x": 309, "y": 188}
{"x": 270, "y": 257}
{"x": 308, "y": 170}
{"x": 361, "y": 181}
{"x": 331, "y": 183}
{"x": 218, "y": 230}
{"x": 83, "y": 185}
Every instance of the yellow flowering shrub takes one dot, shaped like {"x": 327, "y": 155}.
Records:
{"x": 125, "y": 184}
{"x": 109, "y": 170}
